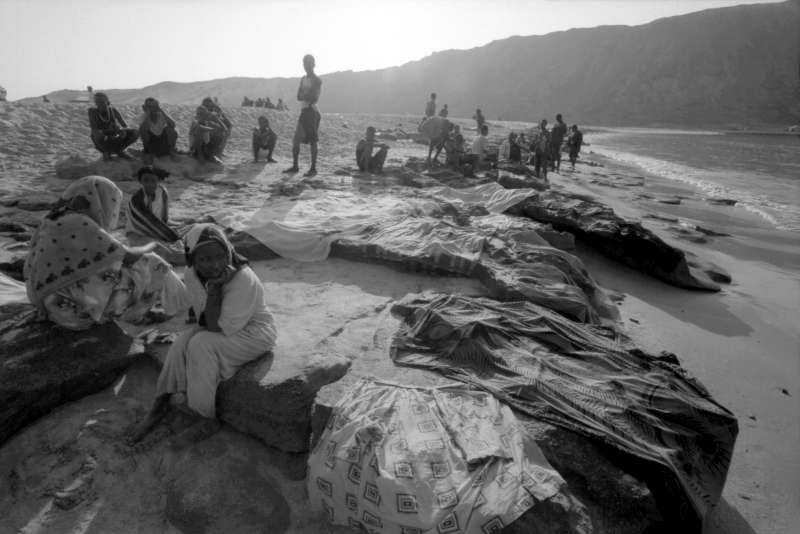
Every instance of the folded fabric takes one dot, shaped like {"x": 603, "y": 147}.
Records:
{"x": 396, "y": 459}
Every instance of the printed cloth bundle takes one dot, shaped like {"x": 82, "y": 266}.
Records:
{"x": 398, "y": 460}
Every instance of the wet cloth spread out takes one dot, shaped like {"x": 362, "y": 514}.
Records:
{"x": 562, "y": 372}
{"x": 397, "y": 459}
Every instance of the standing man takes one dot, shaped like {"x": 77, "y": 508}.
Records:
{"x": 541, "y": 150}
{"x": 557, "y": 134}
{"x": 430, "y": 107}
{"x": 110, "y": 133}
{"x": 307, "y": 131}
{"x": 574, "y": 142}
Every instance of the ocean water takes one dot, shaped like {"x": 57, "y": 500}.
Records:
{"x": 760, "y": 172}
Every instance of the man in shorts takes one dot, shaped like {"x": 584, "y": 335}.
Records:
{"x": 307, "y": 131}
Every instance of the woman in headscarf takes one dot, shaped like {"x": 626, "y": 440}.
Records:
{"x": 235, "y": 327}
{"x": 77, "y": 274}
{"x": 148, "y": 208}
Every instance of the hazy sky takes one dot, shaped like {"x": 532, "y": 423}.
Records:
{"x": 47, "y": 45}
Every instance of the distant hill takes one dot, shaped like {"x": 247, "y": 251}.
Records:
{"x": 723, "y": 67}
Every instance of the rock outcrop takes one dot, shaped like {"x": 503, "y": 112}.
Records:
{"x": 43, "y": 366}
{"x": 629, "y": 243}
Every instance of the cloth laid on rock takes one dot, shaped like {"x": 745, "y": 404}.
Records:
{"x": 567, "y": 374}
{"x": 494, "y": 197}
{"x": 149, "y": 217}
{"x": 11, "y": 290}
{"x": 396, "y": 459}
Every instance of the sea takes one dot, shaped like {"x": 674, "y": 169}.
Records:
{"x": 760, "y": 171}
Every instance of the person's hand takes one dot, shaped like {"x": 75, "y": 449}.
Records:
{"x": 216, "y": 284}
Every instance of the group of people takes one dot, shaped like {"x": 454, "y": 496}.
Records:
{"x": 209, "y": 131}
{"x": 78, "y": 274}
{"x": 264, "y": 103}
{"x": 545, "y": 146}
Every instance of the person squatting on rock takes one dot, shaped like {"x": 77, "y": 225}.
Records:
{"x": 364, "y": 157}
{"x": 235, "y": 327}
{"x": 77, "y": 274}
{"x": 574, "y": 142}
{"x": 557, "y": 135}
{"x": 157, "y": 130}
{"x": 307, "y": 131}
{"x": 264, "y": 138}
{"x": 148, "y": 208}
{"x": 109, "y": 131}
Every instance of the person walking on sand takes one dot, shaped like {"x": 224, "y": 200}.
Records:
{"x": 364, "y": 157}
{"x": 307, "y": 131}
{"x": 574, "y": 143}
{"x": 557, "y": 134}
{"x": 444, "y": 112}
{"x": 430, "y": 107}
{"x": 110, "y": 133}
{"x": 264, "y": 137}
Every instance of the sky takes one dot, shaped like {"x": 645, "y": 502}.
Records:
{"x": 47, "y": 45}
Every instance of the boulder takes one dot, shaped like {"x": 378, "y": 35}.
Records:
{"x": 43, "y": 366}
{"x": 271, "y": 398}
{"x": 213, "y": 488}
{"x": 629, "y": 243}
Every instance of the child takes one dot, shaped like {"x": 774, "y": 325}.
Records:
{"x": 148, "y": 208}
{"x": 264, "y": 137}
{"x": 234, "y": 328}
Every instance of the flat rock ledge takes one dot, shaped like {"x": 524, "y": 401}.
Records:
{"x": 271, "y": 398}
{"x": 43, "y": 366}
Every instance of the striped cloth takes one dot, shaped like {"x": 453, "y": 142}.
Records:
{"x": 149, "y": 218}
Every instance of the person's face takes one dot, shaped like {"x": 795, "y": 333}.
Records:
{"x": 101, "y": 102}
{"x": 210, "y": 260}
{"x": 151, "y": 106}
{"x": 149, "y": 184}
{"x": 308, "y": 64}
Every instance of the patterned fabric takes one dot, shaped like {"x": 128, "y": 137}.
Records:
{"x": 567, "y": 374}
{"x": 72, "y": 241}
{"x": 402, "y": 460}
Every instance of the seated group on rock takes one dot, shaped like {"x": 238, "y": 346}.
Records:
{"x": 78, "y": 274}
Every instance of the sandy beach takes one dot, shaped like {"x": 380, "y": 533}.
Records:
{"x": 741, "y": 343}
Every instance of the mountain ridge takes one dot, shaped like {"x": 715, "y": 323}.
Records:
{"x": 722, "y": 67}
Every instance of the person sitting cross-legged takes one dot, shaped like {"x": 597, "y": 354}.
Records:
{"x": 367, "y": 161}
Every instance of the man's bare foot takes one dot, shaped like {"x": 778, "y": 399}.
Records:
{"x": 270, "y": 160}
{"x": 293, "y": 168}
{"x": 124, "y": 155}
{"x": 311, "y": 172}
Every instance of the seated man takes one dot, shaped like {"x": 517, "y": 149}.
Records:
{"x": 264, "y": 137}
{"x": 364, "y": 157}
{"x": 157, "y": 130}
{"x": 479, "y": 157}
{"x": 110, "y": 133}
{"x": 205, "y": 135}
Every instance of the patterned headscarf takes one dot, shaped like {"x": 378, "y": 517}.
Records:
{"x": 72, "y": 241}
{"x": 204, "y": 233}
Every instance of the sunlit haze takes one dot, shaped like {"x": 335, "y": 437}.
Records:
{"x": 56, "y": 44}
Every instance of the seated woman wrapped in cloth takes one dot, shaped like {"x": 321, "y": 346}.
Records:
{"x": 235, "y": 327}
{"x": 148, "y": 208}
{"x": 78, "y": 274}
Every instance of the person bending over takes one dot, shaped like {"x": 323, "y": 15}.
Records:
{"x": 110, "y": 133}
{"x": 235, "y": 327}
{"x": 148, "y": 208}
{"x": 264, "y": 137}
{"x": 157, "y": 130}
{"x": 307, "y": 131}
{"x": 364, "y": 157}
